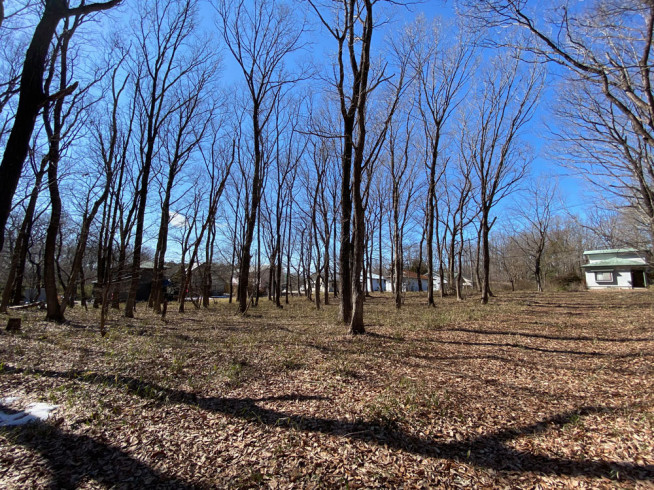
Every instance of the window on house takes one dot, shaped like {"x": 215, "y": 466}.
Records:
{"x": 604, "y": 276}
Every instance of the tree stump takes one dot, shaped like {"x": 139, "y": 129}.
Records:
{"x": 13, "y": 325}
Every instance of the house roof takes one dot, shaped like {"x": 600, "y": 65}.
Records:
{"x": 612, "y": 251}
{"x": 616, "y": 262}
{"x": 413, "y": 275}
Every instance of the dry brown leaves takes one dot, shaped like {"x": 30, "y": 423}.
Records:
{"x": 533, "y": 391}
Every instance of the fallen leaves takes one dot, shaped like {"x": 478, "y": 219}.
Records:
{"x": 533, "y": 391}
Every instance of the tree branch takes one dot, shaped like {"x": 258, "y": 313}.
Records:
{"x": 92, "y": 7}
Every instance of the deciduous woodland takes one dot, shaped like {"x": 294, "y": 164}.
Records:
{"x": 343, "y": 240}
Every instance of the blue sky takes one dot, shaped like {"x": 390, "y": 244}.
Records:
{"x": 394, "y": 17}
{"x": 536, "y": 135}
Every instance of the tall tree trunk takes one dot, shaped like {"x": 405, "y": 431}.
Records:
{"x": 381, "y": 269}
{"x": 281, "y": 241}
{"x": 138, "y": 235}
{"x": 307, "y": 269}
{"x": 485, "y": 284}
{"x": 272, "y": 278}
{"x": 288, "y": 252}
{"x": 76, "y": 268}
{"x": 207, "y": 281}
{"x": 422, "y": 242}
{"x": 82, "y": 288}
{"x": 121, "y": 273}
{"x": 317, "y": 286}
{"x": 80, "y": 250}
{"x": 54, "y": 311}
{"x": 368, "y": 268}
{"x": 182, "y": 285}
{"x": 429, "y": 234}
{"x": 359, "y": 244}
{"x": 17, "y": 269}
{"x": 345, "y": 285}
{"x": 334, "y": 256}
{"x": 234, "y": 247}
{"x": 53, "y": 124}
{"x": 326, "y": 261}
{"x": 316, "y": 238}
{"x": 478, "y": 260}
{"x": 155, "y": 299}
{"x": 459, "y": 276}
{"x": 398, "y": 259}
{"x": 251, "y": 215}
{"x": 441, "y": 272}
{"x": 257, "y": 288}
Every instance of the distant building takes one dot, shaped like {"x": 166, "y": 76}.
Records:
{"x": 375, "y": 282}
{"x": 410, "y": 281}
{"x": 122, "y": 281}
{"x": 264, "y": 280}
{"x": 219, "y": 280}
{"x": 465, "y": 282}
{"x": 378, "y": 283}
{"x": 621, "y": 268}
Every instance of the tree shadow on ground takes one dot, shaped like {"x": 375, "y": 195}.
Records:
{"x": 516, "y": 362}
{"x": 375, "y": 335}
{"x": 542, "y": 349}
{"x": 74, "y": 458}
{"x": 547, "y": 337}
{"x": 486, "y": 450}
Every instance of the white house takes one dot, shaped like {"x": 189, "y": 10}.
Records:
{"x": 377, "y": 283}
{"x": 622, "y": 268}
{"x": 410, "y": 281}
{"x": 465, "y": 282}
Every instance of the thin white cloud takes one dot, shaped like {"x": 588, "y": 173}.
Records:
{"x": 177, "y": 220}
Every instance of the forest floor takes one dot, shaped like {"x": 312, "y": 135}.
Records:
{"x": 533, "y": 391}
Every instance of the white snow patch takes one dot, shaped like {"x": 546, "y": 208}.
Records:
{"x": 32, "y": 413}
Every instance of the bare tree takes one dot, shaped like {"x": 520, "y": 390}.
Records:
{"x": 601, "y": 147}
{"x": 33, "y": 97}
{"x": 535, "y": 215}
{"x": 113, "y": 140}
{"x": 351, "y": 25}
{"x": 203, "y": 209}
{"x": 460, "y": 214}
{"x": 403, "y": 175}
{"x": 505, "y": 102}
{"x": 260, "y": 35}
{"x": 352, "y": 105}
{"x": 160, "y": 64}
{"x": 62, "y": 122}
{"x": 102, "y": 179}
{"x": 442, "y": 73}
{"x": 508, "y": 258}
{"x": 606, "y": 46}
{"x": 218, "y": 161}
{"x": 181, "y": 136}
{"x": 289, "y": 149}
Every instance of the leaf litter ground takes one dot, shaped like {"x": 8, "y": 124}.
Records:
{"x": 533, "y": 391}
